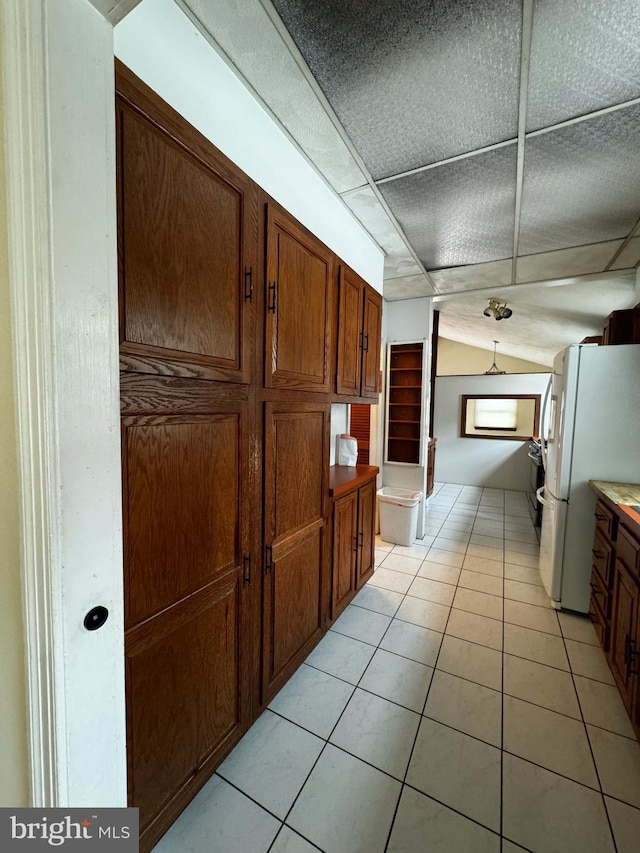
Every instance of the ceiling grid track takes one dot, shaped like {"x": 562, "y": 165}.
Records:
{"x": 623, "y": 246}
{"x": 295, "y": 52}
{"x": 525, "y": 56}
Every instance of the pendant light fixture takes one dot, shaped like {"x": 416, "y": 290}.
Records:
{"x": 494, "y": 370}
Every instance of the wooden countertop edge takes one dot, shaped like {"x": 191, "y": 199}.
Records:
{"x": 346, "y": 478}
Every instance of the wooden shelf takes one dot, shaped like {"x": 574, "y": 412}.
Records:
{"x": 404, "y": 415}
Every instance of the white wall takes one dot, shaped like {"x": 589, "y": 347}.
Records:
{"x": 161, "y": 45}
{"x": 475, "y": 461}
{"x": 339, "y": 424}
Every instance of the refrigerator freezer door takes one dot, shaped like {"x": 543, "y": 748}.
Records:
{"x": 564, "y": 394}
{"x": 552, "y": 544}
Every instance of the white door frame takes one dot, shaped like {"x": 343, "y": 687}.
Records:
{"x": 60, "y": 155}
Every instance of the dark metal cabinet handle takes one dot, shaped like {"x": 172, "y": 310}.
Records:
{"x": 360, "y": 539}
{"x": 268, "y": 567}
{"x": 355, "y": 543}
{"x": 271, "y": 306}
{"x": 248, "y": 285}
{"x": 247, "y": 569}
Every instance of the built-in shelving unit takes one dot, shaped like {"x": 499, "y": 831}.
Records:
{"x": 404, "y": 403}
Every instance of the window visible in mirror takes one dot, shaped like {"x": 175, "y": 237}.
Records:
{"x": 515, "y": 417}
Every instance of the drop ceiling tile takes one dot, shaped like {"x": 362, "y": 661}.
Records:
{"x": 563, "y": 263}
{"x": 581, "y": 183}
{"x": 472, "y": 277}
{"x": 366, "y": 205}
{"x": 458, "y": 213}
{"x": 585, "y": 55}
{"x": 413, "y": 82}
{"x": 629, "y": 256}
{"x": 251, "y": 41}
{"x": 407, "y": 287}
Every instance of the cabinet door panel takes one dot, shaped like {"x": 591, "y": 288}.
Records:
{"x": 183, "y": 694}
{"x": 349, "y": 333}
{"x": 295, "y": 494}
{"x": 345, "y": 549}
{"x": 183, "y": 485}
{"x": 187, "y": 236}
{"x": 624, "y": 629}
{"x": 371, "y": 353}
{"x": 366, "y": 531}
{"x": 296, "y": 591}
{"x": 297, "y": 329}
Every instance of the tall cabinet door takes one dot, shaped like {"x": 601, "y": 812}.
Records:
{"x": 350, "y": 340}
{"x": 298, "y": 293}
{"x": 345, "y": 550}
{"x": 372, "y": 342}
{"x": 366, "y": 532}
{"x": 187, "y": 605}
{"x": 296, "y": 453}
{"x": 187, "y": 229}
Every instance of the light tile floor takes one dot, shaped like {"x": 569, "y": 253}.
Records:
{"x": 448, "y": 710}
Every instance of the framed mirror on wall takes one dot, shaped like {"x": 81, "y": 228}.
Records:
{"x": 511, "y": 417}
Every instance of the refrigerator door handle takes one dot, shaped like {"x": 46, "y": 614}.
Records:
{"x": 539, "y": 493}
{"x": 543, "y": 437}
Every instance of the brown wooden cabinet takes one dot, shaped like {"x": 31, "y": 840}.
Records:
{"x": 225, "y": 453}
{"x": 298, "y": 333}
{"x": 296, "y": 454}
{"x": 623, "y": 651}
{"x": 615, "y": 599}
{"x": 187, "y": 229}
{"x": 359, "y": 336}
{"x": 404, "y": 403}
{"x": 353, "y": 490}
{"x": 622, "y": 327}
{"x": 602, "y": 558}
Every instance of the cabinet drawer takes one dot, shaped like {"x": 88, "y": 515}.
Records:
{"x": 602, "y": 558}
{"x": 605, "y": 521}
{"x": 628, "y": 550}
{"x": 600, "y": 594}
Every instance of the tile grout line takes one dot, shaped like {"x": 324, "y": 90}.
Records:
{"x": 426, "y": 699}
{"x": 586, "y": 732}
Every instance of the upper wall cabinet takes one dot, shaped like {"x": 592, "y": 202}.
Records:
{"x": 359, "y": 334}
{"x": 188, "y": 242}
{"x": 298, "y": 331}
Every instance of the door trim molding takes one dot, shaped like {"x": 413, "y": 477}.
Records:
{"x": 27, "y": 153}
{"x": 60, "y": 178}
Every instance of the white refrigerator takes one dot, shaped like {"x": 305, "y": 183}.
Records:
{"x": 592, "y": 430}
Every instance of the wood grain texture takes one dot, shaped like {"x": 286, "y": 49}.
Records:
{"x": 187, "y": 236}
{"x": 345, "y": 551}
{"x": 141, "y": 394}
{"x": 190, "y": 659}
{"x": 296, "y": 453}
{"x": 298, "y": 332}
{"x": 371, "y": 355}
{"x": 350, "y": 315}
{"x": 184, "y": 498}
{"x": 366, "y": 532}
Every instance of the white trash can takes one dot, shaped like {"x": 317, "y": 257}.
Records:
{"x": 398, "y": 514}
